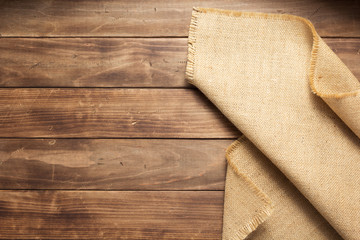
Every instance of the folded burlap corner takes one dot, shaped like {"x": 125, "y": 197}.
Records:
{"x": 295, "y": 172}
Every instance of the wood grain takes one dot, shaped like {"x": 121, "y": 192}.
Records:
{"x": 158, "y": 18}
{"x": 113, "y": 164}
{"x": 84, "y": 62}
{"x": 110, "y": 113}
{"x": 114, "y": 62}
{"x": 111, "y": 214}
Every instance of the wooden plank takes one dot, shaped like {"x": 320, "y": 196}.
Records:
{"x": 111, "y": 214}
{"x": 113, "y": 164}
{"x": 158, "y": 18}
{"x": 100, "y": 62}
{"x": 110, "y": 113}
{"x": 114, "y": 62}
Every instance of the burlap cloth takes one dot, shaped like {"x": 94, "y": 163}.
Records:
{"x": 295, "y": 174}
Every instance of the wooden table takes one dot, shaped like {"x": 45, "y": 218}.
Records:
{"x": 101, "y": 136}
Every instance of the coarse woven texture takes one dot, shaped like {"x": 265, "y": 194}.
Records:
{"x": 291, "y": 213}
{"x": 275, "y": 79}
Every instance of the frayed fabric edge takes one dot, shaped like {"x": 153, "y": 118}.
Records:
{"x": 252, "y": 225}
{"x": 189, "y": 72}
{"x": 264, "y": 212}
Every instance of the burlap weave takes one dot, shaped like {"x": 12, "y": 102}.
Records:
{"x": 295, "y": 173}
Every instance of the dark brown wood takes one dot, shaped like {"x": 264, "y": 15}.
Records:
{"x": 114, "y": 62}
{"x": 113, "y": 164}
{"x": 110, "y": 113}
{"x": 158, "y": 18}
{"x": 104, "y": 215}
{"x": 84, "y": 62}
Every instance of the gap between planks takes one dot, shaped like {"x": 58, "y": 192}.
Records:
{"x": 158, "y": 18}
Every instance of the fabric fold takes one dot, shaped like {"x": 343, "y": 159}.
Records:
{"x": 243, "y": 215}
{"x": 261, "y": 71}
{"x": 334, "y": 83}
{"x": 285, "y": 207}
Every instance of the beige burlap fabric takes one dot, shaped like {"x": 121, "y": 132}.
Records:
{"x": 296, "y": 172}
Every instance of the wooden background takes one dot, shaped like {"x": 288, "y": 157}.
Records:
{"x": 101, "y": 136}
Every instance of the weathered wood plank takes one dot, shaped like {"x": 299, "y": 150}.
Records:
{"x": 114, "y": 62}
{"x": 113, "y": 164}
{"x": 88, "y": 62}
{"x": 110, "y": 113}
{"x": 111, "y": 214}
{"x": 158, "y": 18}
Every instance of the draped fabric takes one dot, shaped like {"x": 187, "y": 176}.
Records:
{"x": 295, "y": 174}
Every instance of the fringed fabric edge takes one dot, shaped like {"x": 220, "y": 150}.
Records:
{"x": 264, "y": 212}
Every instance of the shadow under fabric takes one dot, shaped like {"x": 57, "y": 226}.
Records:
{"x": 295, "y": 174}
